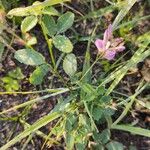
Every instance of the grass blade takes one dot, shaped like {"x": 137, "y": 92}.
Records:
{"x": 128, "y": 5}
{"x": 39, "y": 99}
{"x": 40, "y": 123}
{"x": 134, "y": 130}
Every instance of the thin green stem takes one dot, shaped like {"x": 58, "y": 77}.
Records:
{"x": 88, "y": 112}
{"x": 49, "y": 43}
{"x": 50, "y": 134}
{"x": 92, "y": 5}
{"x": 32, "y": 92}
{"x": 90, "y": 68}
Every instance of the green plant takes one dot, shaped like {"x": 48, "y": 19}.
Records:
{"x": 11, "y": 81}
{"x": 43, "y": 14}
{"x": 89, "y": 101}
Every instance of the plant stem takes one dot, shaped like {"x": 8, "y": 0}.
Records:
{"x": 88, "y": 112}
{"x": 49, "y": 43}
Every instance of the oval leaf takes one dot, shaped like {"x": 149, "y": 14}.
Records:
{"x": 49, "y": 25}
{"x": 28, "y": 23}
{"x": 70, "y": 64}
{"x": 37, "y": 76}
{"x": 34, "y": 9}
{"x": 65, "y": 22}
{"x": 50, "y": 11}
{"x": 105, "y": 136}
{"x": 29, "y": 57}
{"x": 114, "y": 145}
{"x": 63, "y": 44}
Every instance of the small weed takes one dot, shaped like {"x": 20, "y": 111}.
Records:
{"x": 43, "y": 40}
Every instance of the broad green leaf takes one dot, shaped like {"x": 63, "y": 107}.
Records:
{"x": 105, "y": 136}
{"x": 32, "y": 10}
{"x": 87, "y": 88}
{"x": 10, "y": 84}
{"x": 50, "y": 11}
{"x": 65, "y": 22}
{"x": 70, "y": 64}
{"x": 28, "y": 23}
{"x": 1, "y": 51}
{"x": 29, "y": 57}
{"x": 101, "y": 90}
{"x": 70, "y": 122}
{"x": 49, "y": 25}
{"x": 16, "y": 74}
{"x": 70, "y": 141}
{"x": 114, "y": 146}
{"x": 37, "y": 76}
{"x": 89, "y": 92}
{"x": 97, "y": 113}
{"x": 63, "y": 44}
{"x": 105, "y": 99}
{"x": 133, "y": 130}
{"x": 32, "y": 41}
{"x": 80, "y": 146}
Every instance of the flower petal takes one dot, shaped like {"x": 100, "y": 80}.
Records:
{"x": 117, "y": 41}
{"x": 99, "y": 44}
{"x": 119, "y": 48}
{"x": 108, "y": 34}
{"x": 109, "y": 55}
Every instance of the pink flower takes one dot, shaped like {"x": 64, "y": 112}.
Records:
{"x": 109, "y": 46}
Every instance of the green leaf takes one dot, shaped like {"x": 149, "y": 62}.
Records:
{"x": 63, "y": 44}
{"x": 70, "y": 122}
{"x": 89, "y": 92}
{"x": 32, "y": 10}
{"x": 37, "y": 76}
{"x": 32, "y": 41}
{"x": 105, "y": 99}
{"x": 80, "y": 146}
{"x": 16, "y": 74}
{"x": 28, "y": 23}
{"x": 29, "y": 57}
{"x": 50, "y": 11}
{"x": 49, "y": 25}
{"x": 70, "y": 64}
{"x": 97, "y": 113}
{"x": 10, "y": 84}
{"x": 87, "y": 88}
{"x": 70, "y": 140}
{"x": 105, "y": 136}
{"x": 65, "y": 22}
{"x": 114, "y": 146}
{"x": 108, "y": 112}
